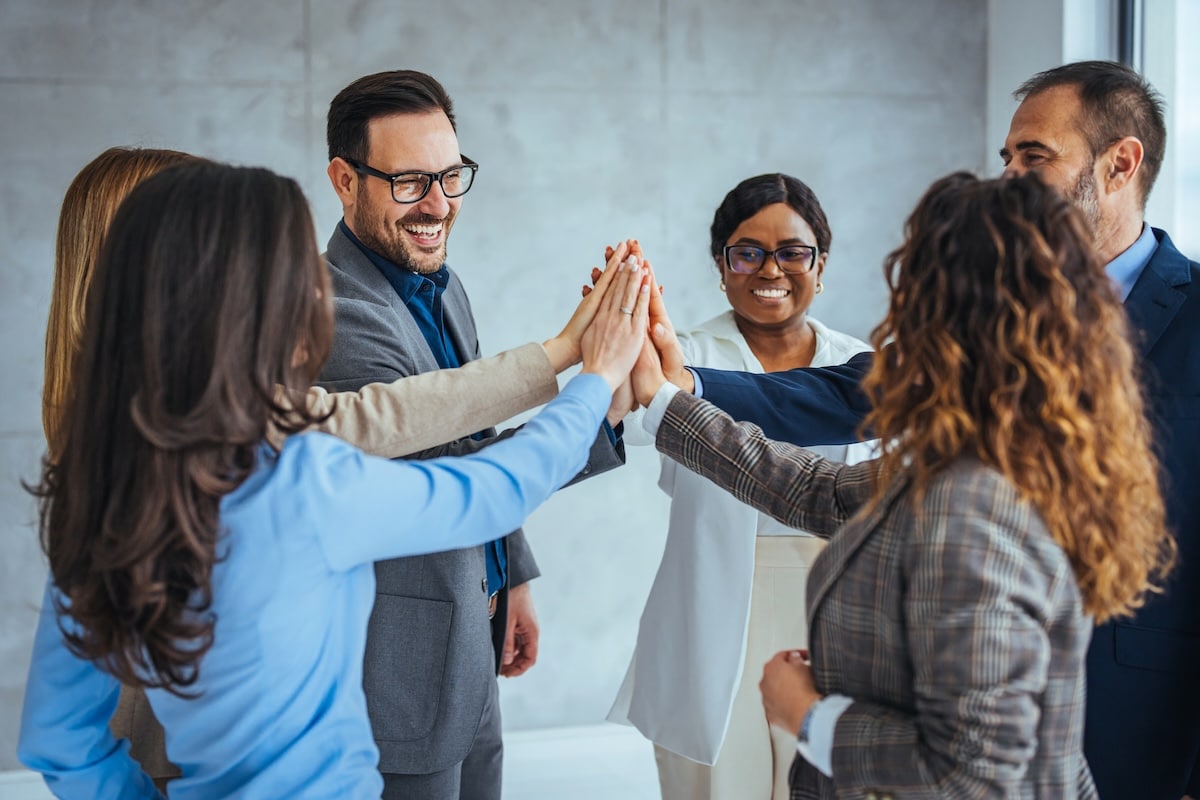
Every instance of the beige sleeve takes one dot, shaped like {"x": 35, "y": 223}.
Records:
{"x": 422, "y": 411}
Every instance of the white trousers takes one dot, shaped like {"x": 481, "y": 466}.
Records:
{"x": 755, "y": 758}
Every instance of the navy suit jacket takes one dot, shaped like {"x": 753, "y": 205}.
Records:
{"x": 1142, "y": 735}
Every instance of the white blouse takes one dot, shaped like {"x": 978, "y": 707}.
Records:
{"x": 691, "y": 644}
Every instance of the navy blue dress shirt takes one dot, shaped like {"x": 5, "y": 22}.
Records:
{"x": 422, "y": 296}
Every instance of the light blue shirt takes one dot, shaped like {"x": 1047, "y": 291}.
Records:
{"x": 1125, "y": 269}
{"x": 281, "y": 711}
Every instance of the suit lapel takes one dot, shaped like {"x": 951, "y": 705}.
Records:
{"x": 351, "y": 261}
{"x": 1154, "y": 300}
{"x": 460, "y": 322}
{"x": 845, "y": 543}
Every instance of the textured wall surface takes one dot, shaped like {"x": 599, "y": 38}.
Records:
{"x": 592, "y": 122}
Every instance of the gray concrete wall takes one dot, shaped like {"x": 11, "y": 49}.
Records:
{"x": 593, "y": 122}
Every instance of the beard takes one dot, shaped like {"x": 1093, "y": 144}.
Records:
{"x": 1083, "y": 196}
{"x": 392, "y": 242}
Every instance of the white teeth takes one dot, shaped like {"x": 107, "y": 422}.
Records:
{"x": 424, "y": 230}
{"x": 772, "y": 293}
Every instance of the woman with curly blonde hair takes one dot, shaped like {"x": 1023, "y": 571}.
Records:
{"x": 1016, "y": 500}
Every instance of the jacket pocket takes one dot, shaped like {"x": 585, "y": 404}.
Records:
{"x": 404, "y": 665}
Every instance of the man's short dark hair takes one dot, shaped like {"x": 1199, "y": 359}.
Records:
{"x": 401, "y": 91}
{"x": 1117, "y": 102}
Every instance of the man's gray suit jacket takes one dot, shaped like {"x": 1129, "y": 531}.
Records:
{"x": 430, "y": 651}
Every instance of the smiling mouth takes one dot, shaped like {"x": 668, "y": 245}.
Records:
{"x": 771, "y": 294}
{"x": 425, "y": 233}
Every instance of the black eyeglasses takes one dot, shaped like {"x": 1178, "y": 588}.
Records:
{"x": 795, "y": 259}
{"x": 410, "y": 187}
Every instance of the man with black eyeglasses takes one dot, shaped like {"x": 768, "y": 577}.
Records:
{"x": 442, "y": 624}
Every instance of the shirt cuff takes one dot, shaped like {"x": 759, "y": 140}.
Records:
{"x": 658, "y": 407}
{"x": 614, "y": 434}
{"x": 699, "y": 390}
{"x": 826, "y": 712}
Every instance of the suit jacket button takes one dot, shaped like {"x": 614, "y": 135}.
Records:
{"x": 587, "y": 469}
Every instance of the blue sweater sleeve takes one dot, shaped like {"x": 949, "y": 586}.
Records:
{"x": 806, "y": 407}
{"x": 64, "y": 724}
{"x": 369, "y": 509}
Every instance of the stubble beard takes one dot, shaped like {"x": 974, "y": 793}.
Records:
{"x": 391, "y": 242}
{"x": 1083, "y": 196}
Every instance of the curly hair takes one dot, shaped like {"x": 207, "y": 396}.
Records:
{"x": 1005, "y": 340}
{"x": 208, "y": 294}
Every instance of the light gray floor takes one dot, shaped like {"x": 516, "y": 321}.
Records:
{"x": 593, "y": 762}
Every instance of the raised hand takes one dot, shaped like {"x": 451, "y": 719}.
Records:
{"x": 633, "y": 245}
{"x": 662, "y": 357}
{"x": 662, "y": 333}
{"x": 564, "y": 349}
{"x": 623, "y": 402}
{"x": 634, "y": 248}
{"x": 612, "y": 342}
{"x": 647, "y": 377}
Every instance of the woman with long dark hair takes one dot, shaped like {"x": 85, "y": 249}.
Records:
{"x": 1016, "y": 499}
{"x": 388, "y": 419}
{"x": 231, "y": 578}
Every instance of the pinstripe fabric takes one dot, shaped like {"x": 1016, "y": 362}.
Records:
{"x": 956, "y": 624}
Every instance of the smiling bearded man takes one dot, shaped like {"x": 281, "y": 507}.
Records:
{"x": 443, "y": 623}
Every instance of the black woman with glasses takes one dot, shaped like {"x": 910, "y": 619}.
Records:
{"x": 730, "y": 591}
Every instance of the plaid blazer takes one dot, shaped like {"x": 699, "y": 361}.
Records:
{"x": 953, "y": 621}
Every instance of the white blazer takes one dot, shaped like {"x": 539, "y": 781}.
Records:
{"x": 691, "y": 643}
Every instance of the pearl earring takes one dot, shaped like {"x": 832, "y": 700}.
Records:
{"x": 820, "y": 288}
{"x": 722, "y": 284}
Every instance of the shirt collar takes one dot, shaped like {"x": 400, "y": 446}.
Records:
{"x": 1124, "y": 270}
{"x": 406, "y": 282}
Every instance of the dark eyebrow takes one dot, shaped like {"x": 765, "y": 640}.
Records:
{"x": 1028, "y": 144}
{"x": 1033, "y": 144}
{"x": 782, "y": 243}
